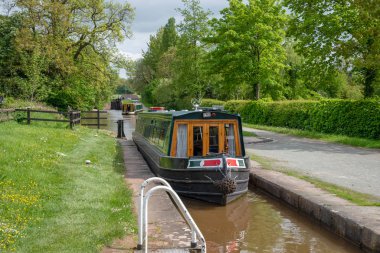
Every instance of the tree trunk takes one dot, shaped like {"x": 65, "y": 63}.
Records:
{"x": 369, "y": 78}
{"x": 257, "y": 91}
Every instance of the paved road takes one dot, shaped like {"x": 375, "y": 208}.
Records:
{"x": 354, "y": 168}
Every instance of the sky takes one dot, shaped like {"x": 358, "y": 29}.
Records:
{"x": 150, "y": 15}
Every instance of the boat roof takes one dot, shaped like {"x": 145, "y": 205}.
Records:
{"x": 199, "y": 114}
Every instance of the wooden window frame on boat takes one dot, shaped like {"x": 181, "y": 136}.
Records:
{"x": 205, "y": 124}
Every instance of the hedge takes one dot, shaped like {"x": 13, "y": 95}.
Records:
{"x": 209, "y": 102}
{"x": 360, "y": 118}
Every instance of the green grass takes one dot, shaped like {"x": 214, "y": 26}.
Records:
{"x": 50, "y": 200}
{"x": 353, "y": 141}
{"x": 357, "y": 198}
{"x": 249, "y": 134}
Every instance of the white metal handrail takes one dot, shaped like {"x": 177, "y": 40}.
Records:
{"x": 143, "y": 214}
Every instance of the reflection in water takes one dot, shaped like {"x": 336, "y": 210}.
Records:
{"x": 253, "y": 223}
{"x": 224, "y": 227}
{"x": 256, "y": 223}
{"x": 129, "y": 122}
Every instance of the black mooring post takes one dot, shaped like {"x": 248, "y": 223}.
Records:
{"x": 120, "y": 128}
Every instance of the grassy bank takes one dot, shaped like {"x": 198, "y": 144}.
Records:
{"x": 352, "y": 141}
{"x": 50, "y": 200}
{"x": 357, "y": 198}
{"x": 249, "y": 134}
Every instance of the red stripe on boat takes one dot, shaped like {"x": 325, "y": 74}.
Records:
{"x": 211, "y": 163}
{"x": 232, "y": 162}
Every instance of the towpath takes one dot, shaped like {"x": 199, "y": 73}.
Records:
{"x": 355, "y": 168}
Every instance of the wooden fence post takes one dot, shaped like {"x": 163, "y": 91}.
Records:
{"x": 98, "y": 119}
{"x": 28, "y": 115}
{"x": 71, "y": 119}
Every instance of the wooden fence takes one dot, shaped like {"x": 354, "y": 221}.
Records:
{"x": 97, "y": 117}
{"x": 6, "y": 114}
{"x": 72, "y": 117}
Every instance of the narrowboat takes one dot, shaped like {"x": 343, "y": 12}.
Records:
{"x": 156, "y": 108}
{"x": 200, "y": 153}
{"x": 131, "y": 107}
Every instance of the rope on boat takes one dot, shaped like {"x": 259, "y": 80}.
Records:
{"x": 226, "y": 186}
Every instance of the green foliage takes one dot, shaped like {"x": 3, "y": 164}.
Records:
{"x": 169, "y": 36}
{"x": 235, "y": 106}
{"x": 338, "y": 35}
{"x": 244, "y": 54}
{"x": 154, "y": 52}
{"x": 347, "y": 117}
{"x": 123, "y": 87}
{"x": 9, "y": 58}
{"x": 191, "y": 78}
{"x": 154, "y": 72}
{"x": 19, "y": 116}
{"x": 171, "y": 72}
{"x": 164, "y": 94}
{"x": 247, "y": 46}
{"x": 67, "y": 58}
{"x": 209, "y": 102}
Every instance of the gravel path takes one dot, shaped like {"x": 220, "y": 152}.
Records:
{"x": 354, "y": 168}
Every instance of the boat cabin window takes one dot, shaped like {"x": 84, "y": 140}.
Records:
{"x": 181, "y": 140}
{"x": 213, "y": 146}
{"x": 156, "y": 131}
{"x": 230, "y": 139}
{"x": 200, "y": 138}
{"x": 197, "y": 140}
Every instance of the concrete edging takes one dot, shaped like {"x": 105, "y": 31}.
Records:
{"x": 358, "y": 224}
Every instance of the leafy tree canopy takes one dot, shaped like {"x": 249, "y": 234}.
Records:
{"x": 338, "y": 34}
{"x": 65, "y": 50}
{"x": 248, "y": 45}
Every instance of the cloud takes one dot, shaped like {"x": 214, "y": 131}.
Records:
{"x": 130, "y": 55}
{"x": 153, "y": 14}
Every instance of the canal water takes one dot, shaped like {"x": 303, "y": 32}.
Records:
{"x": 254, "y": 223}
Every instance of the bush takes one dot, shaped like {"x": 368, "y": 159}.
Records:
{"x": 359, "y": 118}
{"x": 235, "y": 106}
{"x": 209, "y": 102}
{"x": 19, "y": 116}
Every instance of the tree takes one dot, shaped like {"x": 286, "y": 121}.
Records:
{"x": 33, "y": 83}
{"x": 154, "y": 68}
{"x": 154, "y": 52}
{"x": 191, "y": 78}
{"x": 123, "y": 86}
{"x": 293, "y": 80}
{"x": 169, "y": 36}
{"x": 338, "y": 35}
{"x": 9, "y": 59}
{"x": 247, "y": 46}
{"x": 160, "y": 43}
{"x": 77, "y": 40}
